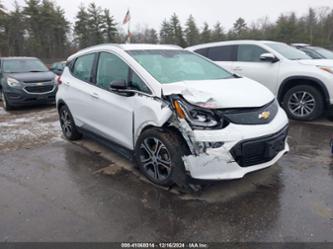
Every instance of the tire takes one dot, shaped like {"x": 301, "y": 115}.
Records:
{"x": 163, "y": 166}
{"x": 6, "y": 105}
{"x": 67, "y": 124}
{"x": 303, "y": 103}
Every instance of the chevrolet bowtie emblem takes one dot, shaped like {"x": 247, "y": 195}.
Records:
{"x": 264, "y": 115}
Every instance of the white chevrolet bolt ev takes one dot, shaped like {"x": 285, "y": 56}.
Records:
{"x": 303, "y": 86}
{"x": 182, "y": 116}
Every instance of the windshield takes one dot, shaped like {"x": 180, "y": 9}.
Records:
{"x": 288, "y": 52}
{"x": 23, "y": 66}
{"x": 168, "y": 66}
{"x": 324, "y": 52}
{"x": 312, "y": 53}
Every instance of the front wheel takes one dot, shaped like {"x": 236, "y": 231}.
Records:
{"x": 6, "y": 105}
{"x": 158, "y": 154}
{"x": 303, "y": 103}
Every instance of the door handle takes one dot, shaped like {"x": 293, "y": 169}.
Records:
{"x": 237, "y": 69}
{"x": 66, "y": 83}
{"x": 94, "y": 95}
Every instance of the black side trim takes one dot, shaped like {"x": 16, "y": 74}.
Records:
{"x": 119, "y": 149}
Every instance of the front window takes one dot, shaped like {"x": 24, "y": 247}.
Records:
{"x": 288, "y": 52}
{"x": 111, "y": 68}
{"x": 324, "y": 52}
{"x": 23, "y": 66}
{"x": 169, "y": 66}
{"x": 250, "y": 53}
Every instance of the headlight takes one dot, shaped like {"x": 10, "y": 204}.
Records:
{"x": 196, "y": 116}
{"x": 13, "y": 82}
{"x": 327, "y": 69}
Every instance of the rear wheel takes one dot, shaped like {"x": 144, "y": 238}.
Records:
{"x": 158, "y": 154}
{"x": 67, "y": 124}
{"x": 303, "y": 103}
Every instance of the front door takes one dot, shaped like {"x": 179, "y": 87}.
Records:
{"x": 248, "y": 64}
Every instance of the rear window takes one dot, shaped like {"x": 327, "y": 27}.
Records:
{"x": 203, "y": 51}
{"x": 222, "y": 53}
{"x": 82, "y": 68}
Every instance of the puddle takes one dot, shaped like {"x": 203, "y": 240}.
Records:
{"x": 111, "y": 170}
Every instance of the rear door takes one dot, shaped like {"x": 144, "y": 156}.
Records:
{"x": 79, "y": 87}
{"x": 248, "y": 64}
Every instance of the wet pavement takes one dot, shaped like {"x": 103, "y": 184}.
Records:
{"x": 54, "y": 190}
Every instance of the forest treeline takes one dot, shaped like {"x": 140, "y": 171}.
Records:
{"x": 40, "y": 28}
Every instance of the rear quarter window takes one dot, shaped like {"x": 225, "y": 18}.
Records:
{"x": 203, "y": 52}
{"x": 82, "y": 68}
{"x": 222, "y": 53}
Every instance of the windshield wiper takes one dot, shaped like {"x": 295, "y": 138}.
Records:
{"x": 36, "y": 71}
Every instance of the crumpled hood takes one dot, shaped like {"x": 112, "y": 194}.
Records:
{"x": 224, "y": 93}
{"x": 325, "y": 63}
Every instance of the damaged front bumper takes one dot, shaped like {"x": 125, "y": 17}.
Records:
{"x": 241, "y": 149}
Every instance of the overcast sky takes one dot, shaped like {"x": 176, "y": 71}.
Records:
{"x": 152, "y": 12}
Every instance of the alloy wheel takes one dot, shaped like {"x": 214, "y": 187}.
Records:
{"x": 301, "y": 103}
{"x": 66, "y": 123}
{"x": 155, "y": 159}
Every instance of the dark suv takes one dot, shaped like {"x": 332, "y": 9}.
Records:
{"x": 25, "y": 81}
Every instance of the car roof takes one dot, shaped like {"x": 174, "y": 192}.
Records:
{"x": 234, "y": 42}
{"x": 17, "y": 58}
{"x": 148, "y": 46}
{"x": 125, "y": 47}
{"x": 300, "y": 45}
{"x": 137, "y": 46}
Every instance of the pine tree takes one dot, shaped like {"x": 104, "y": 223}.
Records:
{"x": 109, "y": 27}
{"x": 61, "y": 29}
{"x": 239, "y": 27}
{"x": 3, "y": 31}
{"x": 177, "y": 31}
{"x": 15, "y": 31}
{"x": 81, "y": 28}
{"x": 218, "y": 33}
{"x": 95, "y": 24}
{"x": 151, "y": 36}
{"x": 192, "y": 33}
{"x": 206, "y": 33}
{"x": 33, "y": 22}
{"x": 166, "y": 33}
{"x": 311, "y": 21}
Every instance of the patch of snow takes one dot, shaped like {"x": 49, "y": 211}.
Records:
{"x": 2, "y": 111}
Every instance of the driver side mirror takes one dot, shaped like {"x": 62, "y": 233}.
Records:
{"x": 120, "y": 87}
{"x": 269, "y": 57}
